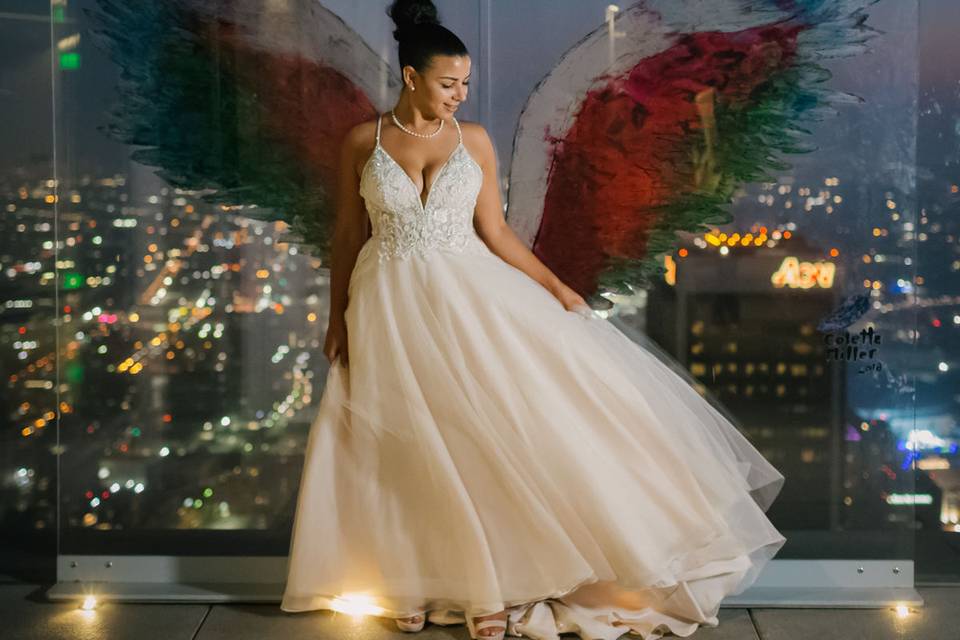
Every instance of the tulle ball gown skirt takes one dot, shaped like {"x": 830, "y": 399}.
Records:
{"x": 486, "y": 449}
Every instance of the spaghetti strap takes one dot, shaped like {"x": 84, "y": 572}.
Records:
{"x": 379, "y": 118}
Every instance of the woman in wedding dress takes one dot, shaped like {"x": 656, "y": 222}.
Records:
{"x": 487, "y": 450}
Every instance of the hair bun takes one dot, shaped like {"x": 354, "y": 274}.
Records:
{"x": 407, "y": 14}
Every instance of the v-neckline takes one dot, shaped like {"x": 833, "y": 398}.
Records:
{"x": 416, "y": 192}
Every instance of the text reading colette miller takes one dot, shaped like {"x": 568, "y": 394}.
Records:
{"x": 852, "y": 346}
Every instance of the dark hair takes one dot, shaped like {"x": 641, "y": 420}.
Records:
{"x": 420, "y": 34}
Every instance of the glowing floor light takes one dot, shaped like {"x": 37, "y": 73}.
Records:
{"x": 902, "y": 610}
{"x": 357, "y": 604}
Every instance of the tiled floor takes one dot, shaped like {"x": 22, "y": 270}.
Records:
{"x": 26, "y": 615}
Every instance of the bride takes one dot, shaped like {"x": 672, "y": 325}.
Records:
{"x": 488, "y": 450}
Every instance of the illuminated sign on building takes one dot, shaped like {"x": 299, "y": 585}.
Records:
{"x": 670, "y": 275}
{"x": 803, "y": 275}
{"x": 909, "y": 498}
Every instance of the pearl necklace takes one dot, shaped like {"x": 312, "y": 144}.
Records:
{"x": 414, "y": 133}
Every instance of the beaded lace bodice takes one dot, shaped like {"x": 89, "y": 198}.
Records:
{"x": 402, "y": 225}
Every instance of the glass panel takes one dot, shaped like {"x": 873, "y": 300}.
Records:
{"x": 28, "y": 401}
{"x": 192, "y": 335}
{"x": 742, "y": 305}
{"x": 938, "y": 283}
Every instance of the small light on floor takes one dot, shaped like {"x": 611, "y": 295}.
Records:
{"x": 902, "y": 610}
{"x": 89, "y": 603}
{"x": 356, "y": 605}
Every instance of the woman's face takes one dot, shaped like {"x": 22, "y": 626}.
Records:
{"x": 443, "y": 87}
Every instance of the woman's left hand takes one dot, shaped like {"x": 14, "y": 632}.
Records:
{"x": 569, "y": 298}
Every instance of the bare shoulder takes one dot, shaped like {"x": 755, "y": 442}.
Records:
{"x": 359, "y": 142}
{"x": 476, "y": 139}
{"x": 473, "y": 131}
{"x": 361, "y": 135}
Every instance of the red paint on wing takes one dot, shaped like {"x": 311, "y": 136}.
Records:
{"x": 308, "y": 106}
{"x": 629, "y": 148}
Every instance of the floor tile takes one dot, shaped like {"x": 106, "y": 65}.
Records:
{"x": 26, "y": 615}
{"x": 937, "y": 619}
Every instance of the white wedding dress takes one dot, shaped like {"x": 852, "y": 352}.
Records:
{"x": 486, "y": 449}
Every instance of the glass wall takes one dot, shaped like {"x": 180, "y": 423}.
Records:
{"x": 937, "y": 283}
{"x": 28, "y": 402}
{"x": 800, "y": 315}
{"x": 163, "y": 346}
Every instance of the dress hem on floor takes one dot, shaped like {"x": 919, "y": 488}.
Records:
{"x": 592, "y": 607}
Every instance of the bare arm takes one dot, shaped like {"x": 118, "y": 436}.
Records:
{"x": 350, "y": 228}
{"x": 497, "y": 234}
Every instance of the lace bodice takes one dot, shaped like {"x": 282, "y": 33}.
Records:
{"x": 402, "y": 224}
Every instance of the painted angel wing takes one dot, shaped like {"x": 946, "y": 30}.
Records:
{"x": 617, "y": 150}
{"x": 245, "y": 99}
